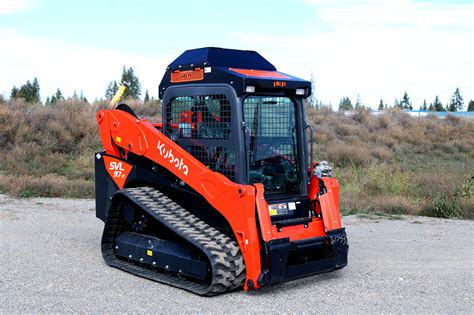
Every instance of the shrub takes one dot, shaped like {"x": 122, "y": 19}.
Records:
{"x": 391, "y": 163}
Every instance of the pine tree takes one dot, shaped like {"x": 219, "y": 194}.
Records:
{"x": 59, "y": 95}
{"x": 112, "y": 88}
{"x": 14, "y": 92}
{"x": 431, "y": 108}
{"x": 345, "y": 104}
{"x": 29, "y": 91}
{"x": 147, "y": 97}
{"x": 36, "y": 91}
{"x": 135, "y": 88}
{"x": 457, "y": 102}
{"x": 53, "y": 99}
{"x": 381, "y": 105}
{"x": 405, "y": 103}
{"x": 48, "y": 101}
{"x": 437, "y": 105}
{"x": 470, "y": 107}
{"x": 424, "y": 106}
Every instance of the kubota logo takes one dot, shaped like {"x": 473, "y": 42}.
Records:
{"x": 168, "y": 154}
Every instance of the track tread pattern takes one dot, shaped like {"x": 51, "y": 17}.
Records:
{"x": 228, "y": 268}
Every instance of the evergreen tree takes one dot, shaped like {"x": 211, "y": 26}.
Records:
{"x": 381, "y": 107}
{"x": 29, "y": 91}
{"x": 457, "y": 102}
{"x": 345, "y": 104}
{"x": 112, "y": 88}
{"x": 135, "y": 88}
{"x": 14, "y": 92}
{"x": 437, "y": 105}
{"x": 147, "y": 97}
{"x": 424, "y": 106}
{"x": 470, "y": 107}
{"x": 53, "y": 99}
{"x": 36, "y": 91}
{"x": 405, "y": 103}
{"x": 59, "y": 95}
{"x": 431, "y": 108}
{"x": 48, "y": 101}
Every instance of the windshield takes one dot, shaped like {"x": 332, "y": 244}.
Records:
{"x": 272, "y": 143}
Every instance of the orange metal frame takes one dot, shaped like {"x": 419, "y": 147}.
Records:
{"x": 239, "y": 204}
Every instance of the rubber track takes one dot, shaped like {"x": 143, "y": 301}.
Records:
{"x": 228, "y": 268}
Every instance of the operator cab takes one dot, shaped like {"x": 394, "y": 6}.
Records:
{"x": 238, "y": 115}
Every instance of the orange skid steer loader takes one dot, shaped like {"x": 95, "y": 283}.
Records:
{"x": 223, "y": 194}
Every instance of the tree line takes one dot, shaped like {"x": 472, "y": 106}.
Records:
{"x": 30, "y": 92}
{"x": 455, "y": 104}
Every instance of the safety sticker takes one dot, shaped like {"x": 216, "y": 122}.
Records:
{"x": 278, "y": 209}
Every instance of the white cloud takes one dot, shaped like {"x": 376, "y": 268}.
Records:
{"x": 71, "y": 67}
{"x": 372, "y": 48}
{"x": 378, "y": 50}
{"x": 15, "y": 6}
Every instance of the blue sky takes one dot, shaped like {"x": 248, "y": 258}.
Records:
{"x": 377, "y": 49}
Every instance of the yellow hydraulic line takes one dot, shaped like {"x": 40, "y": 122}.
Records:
{"x": 119, "y": 94}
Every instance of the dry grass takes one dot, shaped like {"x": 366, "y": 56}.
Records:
{"x": 391, "y": 163}
{"x": 398, "y": 164}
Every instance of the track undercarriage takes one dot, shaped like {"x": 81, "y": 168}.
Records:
{"x": 194, "y": 256}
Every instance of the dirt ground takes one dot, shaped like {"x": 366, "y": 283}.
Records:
{"x": 50, "y": 261}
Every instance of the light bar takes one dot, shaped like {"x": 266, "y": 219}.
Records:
{"x": 299, "y": 91}
{"x": 250, "y": 89}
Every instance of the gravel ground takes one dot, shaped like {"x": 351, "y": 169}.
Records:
{"x": 50, "y": 261}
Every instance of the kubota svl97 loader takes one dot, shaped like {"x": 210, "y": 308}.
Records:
{"x": 223, "y": 194}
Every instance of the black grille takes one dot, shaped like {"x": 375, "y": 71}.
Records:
{"x": 202, "y": 125}
{"x": 200, "y": 117}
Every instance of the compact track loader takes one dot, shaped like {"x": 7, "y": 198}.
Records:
{"x": 223, "y": 193}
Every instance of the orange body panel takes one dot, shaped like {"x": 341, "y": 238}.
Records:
{"x": 328, "y": 202}
{"x": 260, "y": 73}
{"x": 239, "y": 204}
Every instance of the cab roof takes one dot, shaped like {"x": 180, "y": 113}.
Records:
{"x": 238, "y": 68}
